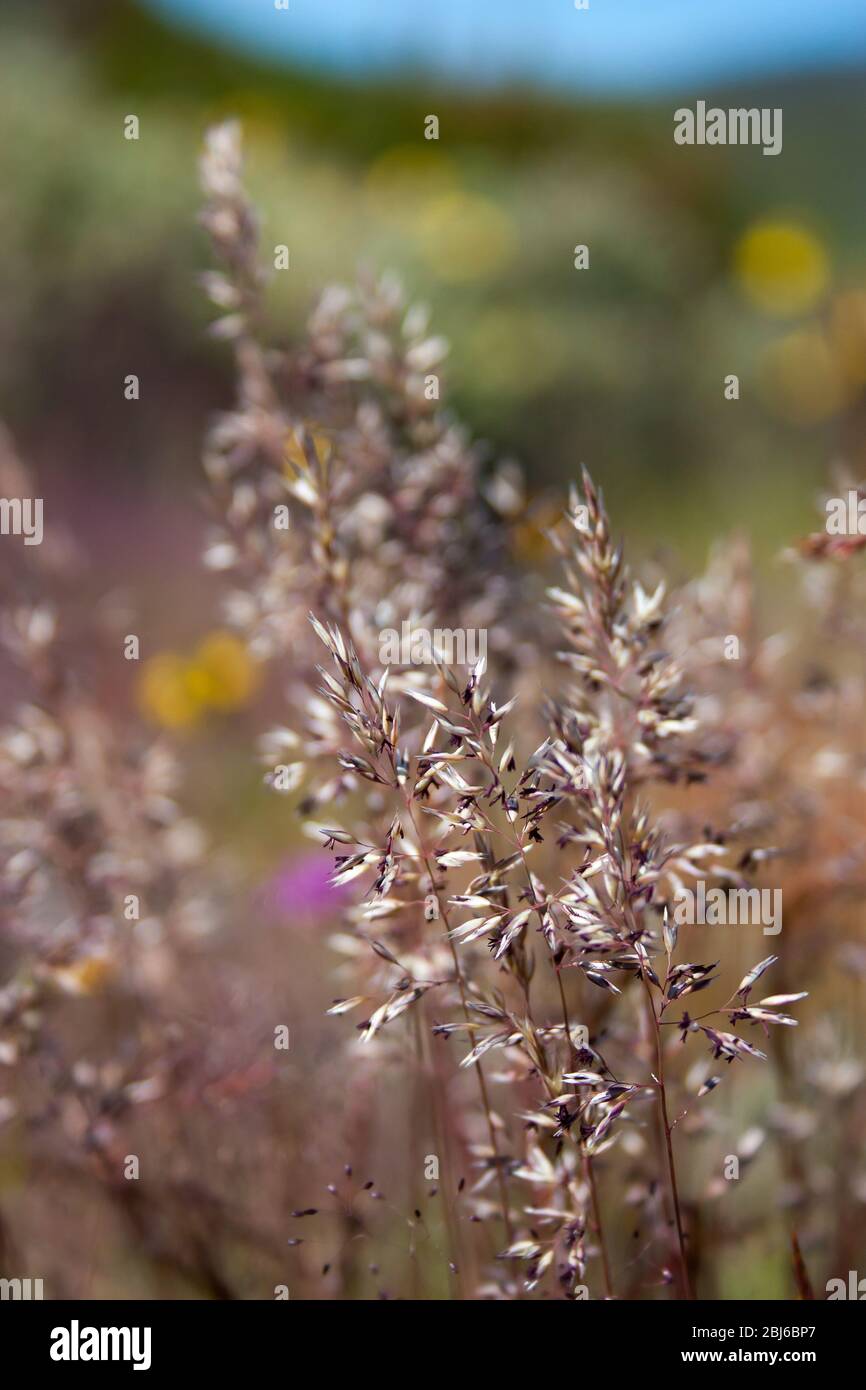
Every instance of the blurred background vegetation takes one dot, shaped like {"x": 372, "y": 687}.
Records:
{"x": 704, "y": 262}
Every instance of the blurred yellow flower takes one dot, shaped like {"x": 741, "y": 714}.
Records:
{"x": 404, "y": 176}
{"x": 801, "y": 377}
{"x": 463, "y": 236}
{"x": 848, "y": 334}
{"x": 163, "y": 692}
{"x": 88, "y": 975}
{"x": 781, "y": 267}
{"x": 223, "y": 673}
{"x": 177, "y": 692}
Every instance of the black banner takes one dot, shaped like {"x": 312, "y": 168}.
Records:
{"x": 64, "y": 1339}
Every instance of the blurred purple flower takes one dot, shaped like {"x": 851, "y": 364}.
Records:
{"x": 303, "y": 888}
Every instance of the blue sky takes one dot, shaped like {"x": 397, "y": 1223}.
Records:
{"x": 617, "y": 47}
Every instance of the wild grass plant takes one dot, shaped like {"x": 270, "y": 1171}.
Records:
{"x": 518, "y": 861}
{"x": 535, "y": 1080}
